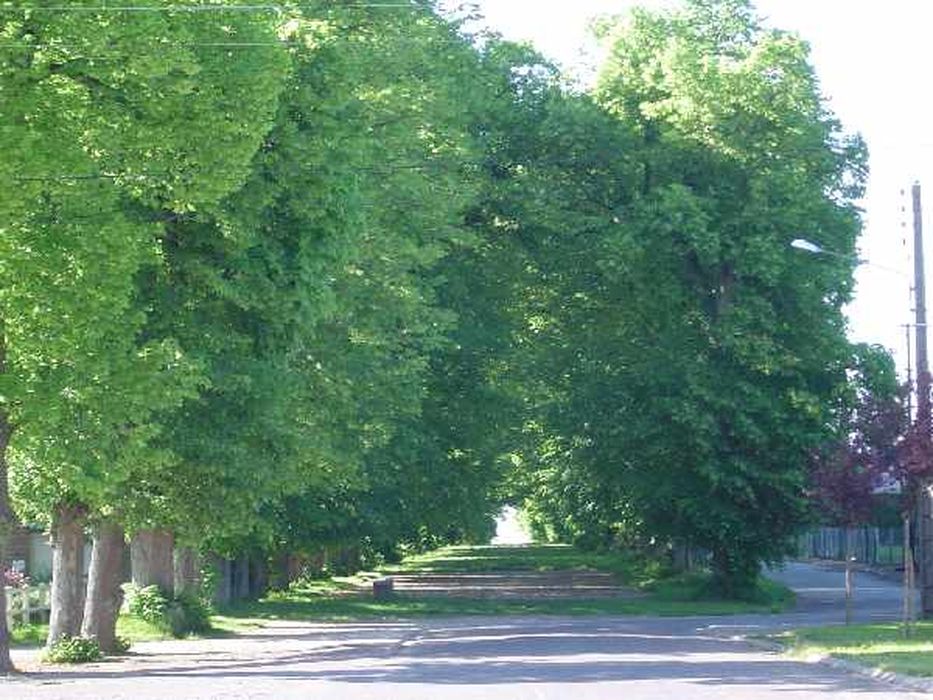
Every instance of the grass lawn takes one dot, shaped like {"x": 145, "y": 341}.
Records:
{"x": 340, "y": 599}
{"x": 881, "y": 646}
{"x": 554, "y": 557}
{"x": 131, "y": 628}
{"x": 347, "y": 598}
{"x": 28, "y": 636}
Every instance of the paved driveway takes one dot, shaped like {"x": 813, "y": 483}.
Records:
{"x": 546, "y": 658}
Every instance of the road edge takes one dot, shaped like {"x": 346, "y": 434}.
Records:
{"x": 897, "y": 680}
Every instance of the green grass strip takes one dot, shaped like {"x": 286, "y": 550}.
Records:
{"x": 882, "y": 646}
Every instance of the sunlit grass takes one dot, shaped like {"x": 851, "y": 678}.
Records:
{"x": 297, "y": 606}
{"x": 473, "y": 559}
{"x": 137, "y": 630}
{"x": 882, "y": 646}
{"x": 651, "y": 592}
{"x": 128, "y": 627}
{"x": 28, "y": 636}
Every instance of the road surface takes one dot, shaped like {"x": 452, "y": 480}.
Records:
{"x": 514, "y": 658}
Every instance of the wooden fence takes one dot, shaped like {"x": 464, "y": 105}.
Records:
{"x": 878, "y": 546}
{"x": 25, "y": 604}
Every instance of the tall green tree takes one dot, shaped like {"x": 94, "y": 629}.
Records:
{"x": 728, "y": 347}
{"x": 110, "y": 128}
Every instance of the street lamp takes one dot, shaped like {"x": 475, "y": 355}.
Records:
{"x": 804, "y": 244}
{"x": 815, "y": 249}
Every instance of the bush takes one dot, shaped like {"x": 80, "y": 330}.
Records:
{"x": 148, "y": 604}
{"x": 179, "y": 616}
{"x": 208, "y": 582}
{"x": 74, "y": 650}
{"x": 188, "y": 614}
{"x": 13, "y": 578}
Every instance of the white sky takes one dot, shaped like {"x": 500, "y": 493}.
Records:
{"x": 871, "y": 58}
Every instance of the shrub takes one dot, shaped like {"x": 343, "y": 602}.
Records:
{"x": 178, "y": 616}
{"x": 208, "y": 582}
{"x": 148, "y": 604}
{"x": 188, "y": 614}
{"x": 13, "y": 578}
{"x": 74, "y": 650}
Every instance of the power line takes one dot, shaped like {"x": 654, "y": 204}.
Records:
{"x": 161, "y": 45}
{"x": 198, "y": 8}
{"x": 172, "y": 44}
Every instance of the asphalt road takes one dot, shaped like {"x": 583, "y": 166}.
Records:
{"x": 541, "y": 658}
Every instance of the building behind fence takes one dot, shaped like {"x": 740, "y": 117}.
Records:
{"x": 880, "y": 546}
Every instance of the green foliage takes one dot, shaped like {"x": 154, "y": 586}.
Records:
{"x": 686, "y": 359}
{"x": 178, "y": 616}
{"x": 188, "y": 614}
{"x": 122, "y": 645}
{"x": 73, "y": 650}
{"x": 148, "y": 604}
{"x": 702, "y": 586}
{"x": 111, "y": 129}
{"x": 357, "y": 289}
{"x": 208, "y": 581}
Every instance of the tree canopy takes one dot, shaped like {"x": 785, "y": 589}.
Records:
{"x": 338, "y": 274}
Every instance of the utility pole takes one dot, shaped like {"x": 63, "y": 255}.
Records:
{"x": 909, "y": 508}
{"x": 923, "y": 412}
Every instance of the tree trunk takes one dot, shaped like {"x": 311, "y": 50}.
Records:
{"x": 6, "y": 521}
{"x": 187, "y": 571}
{"x": 241, "y": 578}
{"x": 259, "y": 576}
{"x": 151, "y": 560}
{"x": 104, "y": 595}
{"x": 280, "y": 568}
{"x": 734, "y": 574}
{"x": 296, "y": 565}
{"x": 67, "y": 572}
{"x": 223, "y": 594}
{"x": 680, "y": 555}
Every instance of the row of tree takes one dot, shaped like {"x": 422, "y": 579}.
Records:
{"x": 334, "y": 273}
{"x": 220, "y": 282}
{"x": 690, "y": 362}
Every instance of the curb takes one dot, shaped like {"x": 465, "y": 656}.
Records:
{"x": 889, "y": 678}
{"x": 899, "y": 681}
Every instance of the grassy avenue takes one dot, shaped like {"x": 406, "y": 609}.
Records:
{"x": 643, "y": 589}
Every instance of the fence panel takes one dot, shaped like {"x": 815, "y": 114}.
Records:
{"x": 881, "y": 546}
{"x": 23, "y": 603}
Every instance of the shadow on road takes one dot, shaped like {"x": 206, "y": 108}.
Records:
{"x": 515, "y": 651}
{"x": 677, "y": 657}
